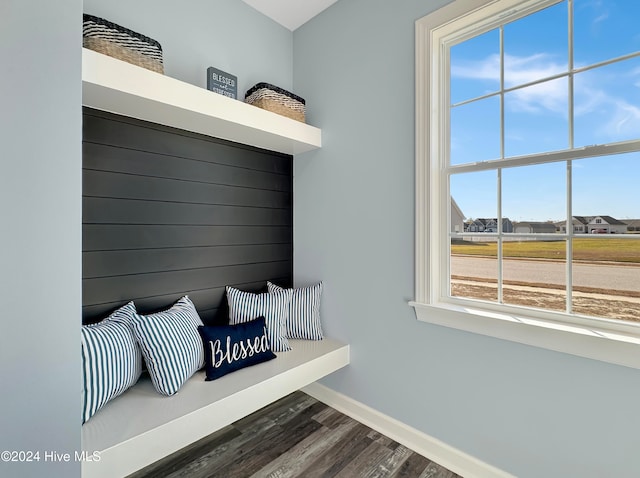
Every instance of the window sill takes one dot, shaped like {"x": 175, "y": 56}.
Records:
{"x": 589, "y": 342}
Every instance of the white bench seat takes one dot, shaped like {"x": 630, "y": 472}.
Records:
{"x": 141, "y": 426}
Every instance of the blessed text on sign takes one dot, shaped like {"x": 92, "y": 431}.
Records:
{"x": 222, "y": 82}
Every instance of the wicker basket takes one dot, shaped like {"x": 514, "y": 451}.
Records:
{"x": 277, "y": 100}
{"x": 110, "y": 39}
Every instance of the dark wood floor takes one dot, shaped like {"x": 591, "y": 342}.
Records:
{"x": 295, "y": 436}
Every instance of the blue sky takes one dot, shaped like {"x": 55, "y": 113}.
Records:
{"x": 606, "y": 109}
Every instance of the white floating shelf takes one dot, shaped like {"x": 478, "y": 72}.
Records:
{"x": 118, "y": 87}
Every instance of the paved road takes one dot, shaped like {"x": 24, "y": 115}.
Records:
{"x": 606, "y": 276}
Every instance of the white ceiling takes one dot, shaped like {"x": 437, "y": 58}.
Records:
{"x": 290, "y": 13}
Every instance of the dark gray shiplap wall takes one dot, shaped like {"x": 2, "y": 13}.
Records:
{"x": 168, "y": 212}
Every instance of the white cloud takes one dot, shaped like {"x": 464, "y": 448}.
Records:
{"x": 542, "y": 98}
{"x": 624, "y": 122}
{"x": 550, "y": 96}
{"x": 601, "y": 94}
{"x": 487, "y": 69}
{"x": 603, "y": 104}
{"x": 520, "y": 70}
{"x": 517, "y": 70}
{"x": 600, "y": 18}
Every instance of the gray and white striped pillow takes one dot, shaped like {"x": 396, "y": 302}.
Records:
{"x": 170, "y": 344}
{"x": 303, "y": 320}
{"x": 246, "y": 306}
{"x": 111, "y": 360}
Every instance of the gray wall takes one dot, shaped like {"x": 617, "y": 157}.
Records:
{"x": 40, "y": 204}
{"x": 529, "y": 411}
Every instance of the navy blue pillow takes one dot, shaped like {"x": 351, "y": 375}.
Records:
{"x": 228, "y": 348}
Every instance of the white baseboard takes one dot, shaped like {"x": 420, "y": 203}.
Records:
{"x": 423, "y": 444}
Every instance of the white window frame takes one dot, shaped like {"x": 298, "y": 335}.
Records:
{"x": 606, "y": 340}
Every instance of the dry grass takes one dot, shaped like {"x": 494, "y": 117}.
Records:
{"x": 593, "y": 250}
{"x": 615, "y": 307}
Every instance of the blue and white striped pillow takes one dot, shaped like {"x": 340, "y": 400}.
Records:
{"x": 111, "y": 360}
{"x": 170, "y": 344}
{"x": 246, "y": 306}
{"x": 303, "y": 320}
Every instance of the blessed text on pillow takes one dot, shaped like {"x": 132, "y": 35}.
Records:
{"x": 228, "y": 348}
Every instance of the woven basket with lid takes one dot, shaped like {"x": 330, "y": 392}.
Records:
{"x": 119, "y": 42}
{"x": 277, "y": 100}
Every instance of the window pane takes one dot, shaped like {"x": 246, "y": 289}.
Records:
{"x": 606, "y": 276}
{"x": 475, "y": 131}
{"x": 536, "y": 118}
{"x": 536, "y": 46}
{"x": 476, "y": 197}
{"x": 605, "y": 192}
{"x": 606, "y": 267}
{"x": 474, "y": 268}
{"x": 604, "y": 29}
{"x": 474, "y": 265}
{"x": 475, "y": 67}
{"x": 534, "y": 197}
{"x": 534, "y": 273}
{"x": 607, "y": 103}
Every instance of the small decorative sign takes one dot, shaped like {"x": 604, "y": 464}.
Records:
{"x": 222, "y": 82}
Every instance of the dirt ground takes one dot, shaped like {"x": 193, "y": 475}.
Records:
{"x": 597, "y": 304}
